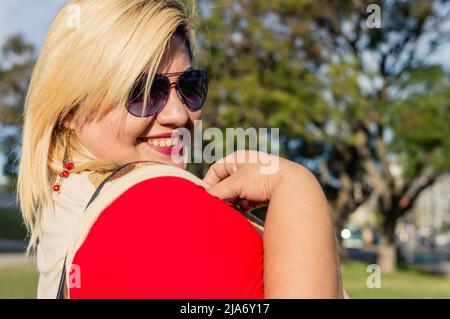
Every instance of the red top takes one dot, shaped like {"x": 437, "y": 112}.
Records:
{"x": 166, "y": 237}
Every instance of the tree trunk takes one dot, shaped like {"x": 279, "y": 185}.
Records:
{"x": 387, "y": 250}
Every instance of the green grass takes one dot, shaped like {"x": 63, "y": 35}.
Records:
{"x": 405, "y": 283}
{"x": 20, "y": 282}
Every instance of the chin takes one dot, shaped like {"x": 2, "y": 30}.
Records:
{"x": 151, "y": 155}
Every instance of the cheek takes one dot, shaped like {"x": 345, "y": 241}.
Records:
{"x": 114, "y": 136}
{"x": 97, "y": 138}
{"x": 120, "y": 134}
{"x": 135, "y": 127}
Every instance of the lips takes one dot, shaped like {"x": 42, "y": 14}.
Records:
{"x": 166, "y": 143}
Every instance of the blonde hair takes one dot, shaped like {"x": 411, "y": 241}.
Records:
{"x": 82, "y": 72}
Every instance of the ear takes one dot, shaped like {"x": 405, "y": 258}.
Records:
{"x": 68, "y": 121}
{"x": 69, "y": 124}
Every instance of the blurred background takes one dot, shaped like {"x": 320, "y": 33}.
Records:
{"x": 360, "y": 91}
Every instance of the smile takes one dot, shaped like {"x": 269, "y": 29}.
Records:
{"x": 166, "y": 146}
{"x": 163, "y": 142}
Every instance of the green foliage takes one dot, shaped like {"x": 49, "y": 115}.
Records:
{"x": 353, "y": 100}
{"x": 299, "y": 65}
{"x": 420, "y": 121}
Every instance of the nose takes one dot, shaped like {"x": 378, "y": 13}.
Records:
{"x": 174, "y": 112}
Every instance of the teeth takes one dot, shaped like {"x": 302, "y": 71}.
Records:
{"x": 175, "y": 140}
{"x": 165, "y": 142}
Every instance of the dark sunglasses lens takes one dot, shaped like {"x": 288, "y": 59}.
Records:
{"x": 193, "y": 86}
{"x": 158, "y": 97}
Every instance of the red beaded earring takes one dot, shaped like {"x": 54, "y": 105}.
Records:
{"x": 67, "y": 163}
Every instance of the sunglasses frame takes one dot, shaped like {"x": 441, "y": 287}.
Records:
{"x": 166, "y": 76}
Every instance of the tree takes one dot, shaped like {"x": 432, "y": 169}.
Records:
{"x": 336, "y": 88}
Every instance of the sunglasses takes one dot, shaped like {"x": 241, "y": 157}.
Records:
{"x": 191, "y": 87}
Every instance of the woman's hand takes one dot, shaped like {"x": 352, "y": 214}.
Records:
{"x": 300, "y": 256}
{"x": 244, "y": 177}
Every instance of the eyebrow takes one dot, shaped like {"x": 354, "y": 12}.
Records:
{"x": 177, "y": 73}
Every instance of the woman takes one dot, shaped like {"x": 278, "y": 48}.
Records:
{"x": 89, "y": 108}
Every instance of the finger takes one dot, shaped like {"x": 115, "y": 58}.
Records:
{"x": 220, "y": 170}
{"x": 225, "y": 189}
{"x": 215, "y": 174}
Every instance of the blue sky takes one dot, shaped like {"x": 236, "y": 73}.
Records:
{"x": 29, "y": 17}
